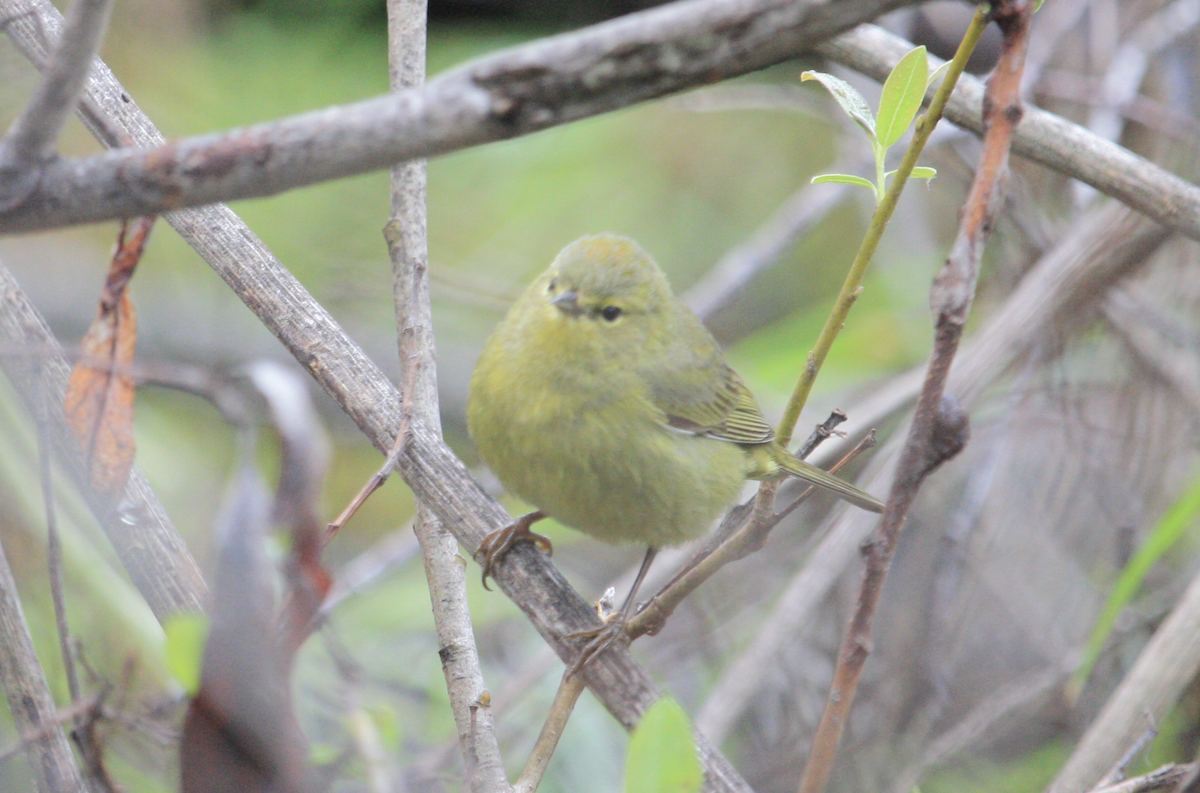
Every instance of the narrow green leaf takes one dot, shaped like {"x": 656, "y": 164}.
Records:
{"x": 902, "y": 95}
{"x": 922, "y": 172}
{"x": 851, "y": 101}
{"x": 662, "y": 756}
{"x": 1166, "y": 532}
{"x": 938, "y": 72}
{"x": 843, "y": 178}
{"x": 186, "y": 634}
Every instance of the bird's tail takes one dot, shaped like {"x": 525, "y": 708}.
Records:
{"x": 823, "y": 479}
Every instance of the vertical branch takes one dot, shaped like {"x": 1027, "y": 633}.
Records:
{"x": 940, "y": 427}
{"x": 407, "y": 239}
{"x": 29, "y": 698}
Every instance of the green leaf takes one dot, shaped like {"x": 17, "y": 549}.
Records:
{"x": 902, "y": 95}
{"x": 662, "y": 757}
{"x": 851, "y": 101}
{"x": 1166, "y": 532}
{"x": 186, "y": 634}
{"x": 938, "y": 72}
{"x": 922, "y": 172}
{"x": 843, "y": 178}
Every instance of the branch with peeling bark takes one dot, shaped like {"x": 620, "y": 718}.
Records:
{"x": 546, "y": 83}
{"x": 549, "y": 82}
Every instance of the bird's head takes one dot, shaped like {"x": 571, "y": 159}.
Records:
{"x": 605, "y": 280}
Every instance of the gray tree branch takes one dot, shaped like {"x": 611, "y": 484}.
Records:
{"x": 542, "y": 84}
{"x": 407, "y": 238}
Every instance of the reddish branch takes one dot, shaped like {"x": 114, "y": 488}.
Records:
{"x": 940, "y": 428}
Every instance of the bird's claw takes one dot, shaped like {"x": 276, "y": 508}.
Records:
{"x": 602, "y": 638}
{"x": 501, "y": 541}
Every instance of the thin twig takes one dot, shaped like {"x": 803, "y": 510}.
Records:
{"x": 565, "y": 698}
{"x": 54, "y": 552}
{"x": 408, "y": 388}
{"x": 852, "y": 286}
{"x": 67, "y": 714}
{"x": 1165, "y": 778}
{"x": 939, "y": 429}
{"x": 32, "y": 137}
{"x": 1116, "y": 774}
{"x": 750, "y": 535}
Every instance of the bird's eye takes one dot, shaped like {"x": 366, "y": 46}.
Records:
{"x": 553, "y": 283}
{"x": 610, "y": 313}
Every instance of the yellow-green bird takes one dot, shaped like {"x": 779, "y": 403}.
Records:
{"x": 604, "y": 402}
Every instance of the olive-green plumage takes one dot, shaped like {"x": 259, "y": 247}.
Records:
{"x": 603, "y": 401}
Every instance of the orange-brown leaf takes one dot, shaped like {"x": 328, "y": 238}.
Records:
{"x": 99, "y": 401}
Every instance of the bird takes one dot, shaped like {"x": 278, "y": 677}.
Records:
{"x": 604, "y": 402}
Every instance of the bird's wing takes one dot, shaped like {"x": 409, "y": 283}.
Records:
{"x": 717, "y": 405}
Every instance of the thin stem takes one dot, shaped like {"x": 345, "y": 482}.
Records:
{"x": 556, "y": 720}
{"x": 747, "y": 539}
{"x": 852, "y": 286}
{"x": 940, "y": 427}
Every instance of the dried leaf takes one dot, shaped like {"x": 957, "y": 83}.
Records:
{"x": 99, "y": 399}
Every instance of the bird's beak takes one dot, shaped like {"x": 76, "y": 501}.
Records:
{"x": 568, "y": 303}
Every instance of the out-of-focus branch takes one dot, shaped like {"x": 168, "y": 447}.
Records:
{"x": 1043, "y": 137}
{"x": 981, "y": 720}
{"x": 795, "y": 217}
{"x": 538, "y": 85}
{"x": 1169, "y": 661}
{"x": 1167, "y": 777}
{"x": 1107, "y": 245}
{"x": 407, "y": 238}
{"x": 30, "y": 141}
{"x": 939, "y": 428}
{"x": 29, "y": 698}
{"x": 1129, "y": 63}
{"x": 149, "y": 548}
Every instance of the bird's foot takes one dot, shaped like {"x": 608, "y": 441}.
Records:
{"x": 501, "y": 541}
{"x": 601, "y": 638}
